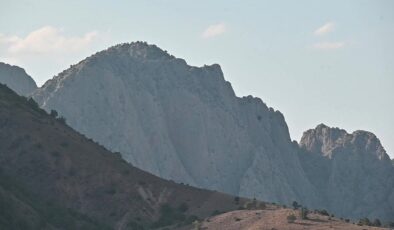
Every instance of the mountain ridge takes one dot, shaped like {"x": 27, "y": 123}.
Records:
{"x": 173, "y": 119}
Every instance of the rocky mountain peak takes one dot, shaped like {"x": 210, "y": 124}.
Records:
{"x": 322, "y": 139}
{"x": 140, "y": 50}
{"x": 325, "y": 140}
{"x": 186, "y": 124}
{"x": 17, "y": 79}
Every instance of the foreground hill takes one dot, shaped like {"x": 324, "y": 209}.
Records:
{"x": 274, "y": 218}
{"x": 17, "y": 79}
{"x": 54, "y": 178}
{"x": 185, "y": 123}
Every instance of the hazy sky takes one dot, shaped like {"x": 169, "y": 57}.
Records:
{"x": 317, "y": 62}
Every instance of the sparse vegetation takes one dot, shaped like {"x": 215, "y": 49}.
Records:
{"x": 323, "y": 212}
{"x": 216, "y": 212}
{"x": 32, "y": 103}
{"x": 53, "y": 113}
{"x": 254, "y": 204}
{"x": 291, "y": 218}
{"x": 295, "y": 205}
{"x": 47, "y": 213}
{"x": 132, "y": 225}
{"x": 304, "y": 213}
{"x": 170, "y": 216}
{"x": 364, "y": 221}
{"x": 62, "y": 120}
{"x": 236, "y": 200}
{"x": 377, "y": 223}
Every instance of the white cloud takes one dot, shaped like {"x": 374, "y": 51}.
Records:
{"x": 48, "y": 50}
{"x": 328, "y": 45}
{"x": 214, "y": 30}
{"x": 45, "y": 40}
{"x": 324, "y": 29}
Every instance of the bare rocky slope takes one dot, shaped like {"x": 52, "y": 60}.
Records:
{"x": 52, "y": 177}
{"x": 185, "y": 123}
{"x": 17, "y": 79}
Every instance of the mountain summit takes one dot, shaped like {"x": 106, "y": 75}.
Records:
{"x": 186, "y": 124}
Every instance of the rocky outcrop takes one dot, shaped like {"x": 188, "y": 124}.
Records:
{"x": 179, "y": 122}
{"x": 17, "y": 79}
{"x": 352, "y": 172}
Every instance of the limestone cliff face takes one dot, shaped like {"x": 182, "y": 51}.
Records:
{"x": 17, "y": 79}
{"x": 180, "y": 122}
{"x": 352, "y": 172}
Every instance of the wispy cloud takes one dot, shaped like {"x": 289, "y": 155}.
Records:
{"x": 214, "y": 30}
{"x": 45, "y": 40}
{"x": 328, "y": 45}
{"x": 324, "y": 29}
{"x": 48, "y": 50}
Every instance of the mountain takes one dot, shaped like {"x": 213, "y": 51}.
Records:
{"x": 52, "y": 177}
{"x": 352, "y": 172}
{"x": 17, "y": 79}
{"x": 186, "y": 124}
{"x": 179, "y": 122}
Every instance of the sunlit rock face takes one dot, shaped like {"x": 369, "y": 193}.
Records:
{"x": 352, "y": 172}
{"x": 179, "y": 122}
{"x": 17, "y": 79}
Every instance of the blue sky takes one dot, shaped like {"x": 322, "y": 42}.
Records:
{"x": 317, "y": 62}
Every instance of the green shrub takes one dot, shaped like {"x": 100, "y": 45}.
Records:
{"x": 291, "y": 218}
{"x": 377, "y": 223}
{"x": 295, "y": 205}
{"x": 62, "y": 120}
{"x": 304, "y": 213}
{"x": 323, "y": 212}
{"x": 364, "y": 221}
{"x": 216, "y": 212}
{"x": 169, "y": 216}
{"x": 53, "y": 113}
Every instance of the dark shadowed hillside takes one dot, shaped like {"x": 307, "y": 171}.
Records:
{"x": 54, "y": 178}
